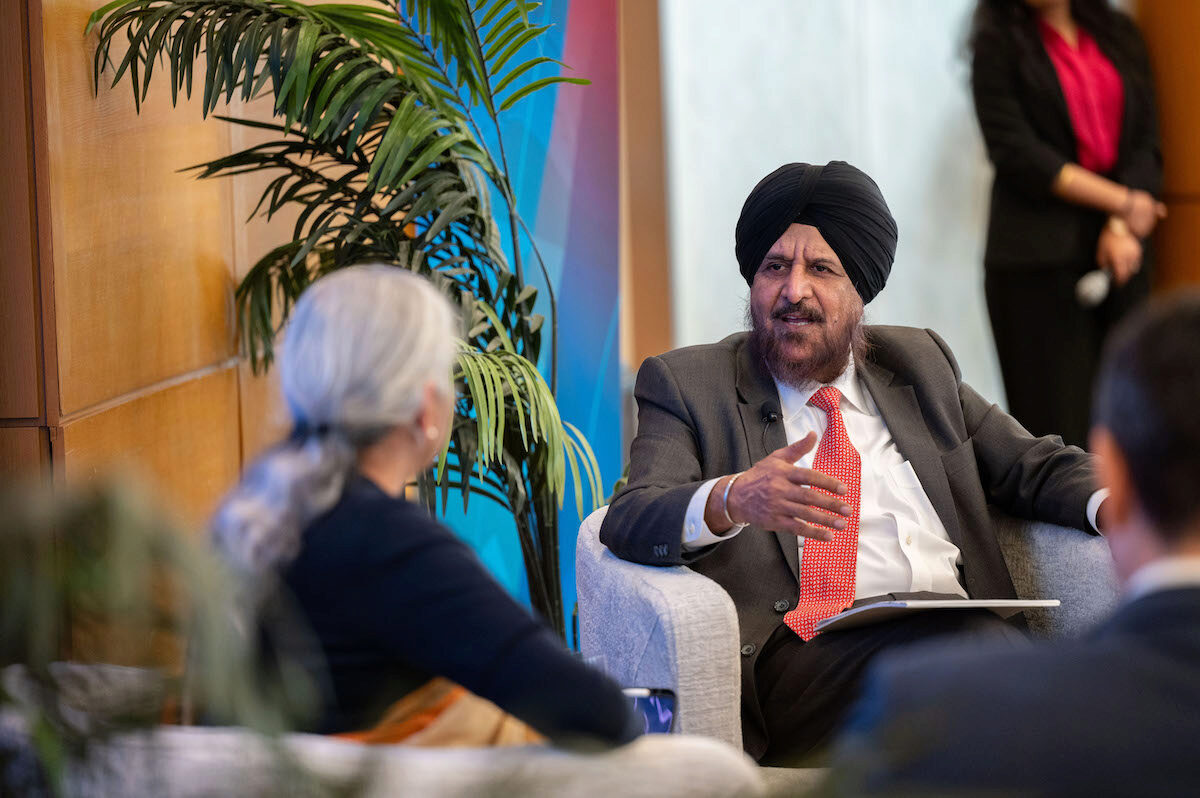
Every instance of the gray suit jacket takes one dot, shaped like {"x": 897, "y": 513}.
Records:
{"x": 703, "y": 412}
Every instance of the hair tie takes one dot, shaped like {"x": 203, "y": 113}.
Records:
{"x": 305, "y": 429}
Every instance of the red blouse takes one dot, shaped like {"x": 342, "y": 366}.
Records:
{"x": 1094, "y": 93}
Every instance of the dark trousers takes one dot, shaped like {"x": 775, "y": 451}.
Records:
{"x": 1049, "y": 346}
{"x": 805, "y": 689}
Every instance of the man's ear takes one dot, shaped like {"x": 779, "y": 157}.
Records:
{"x": 1114, "y": 474}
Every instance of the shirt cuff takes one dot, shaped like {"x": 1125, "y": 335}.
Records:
{"x": 1093, "y": 507}
{"x": 696, "y": 534}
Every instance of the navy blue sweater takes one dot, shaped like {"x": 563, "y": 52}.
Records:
{"x": 393, "y": 598}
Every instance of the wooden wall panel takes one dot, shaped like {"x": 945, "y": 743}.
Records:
{"x": 1171, "y": 28}
{"x": 253, "y": 238}
{"x": 646, "y": 327}
{"x": 264, "y": 417}
{"x": 135, "y": 268}
{"x": 20, "y": 361}
{"x": 24, "y": 451}
{"x": 143, "y": 258}
{"x": 1177, "y": 247}
{"x": 183, "y": 438}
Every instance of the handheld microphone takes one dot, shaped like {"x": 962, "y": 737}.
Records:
{"x": 769, "y": 413}
{"x": 1093, "y": 288}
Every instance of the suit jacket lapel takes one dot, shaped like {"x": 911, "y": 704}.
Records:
{"x": 1047, "y": 75}
{"x": 756, "y": 389}
{"x": 897, "y": 402}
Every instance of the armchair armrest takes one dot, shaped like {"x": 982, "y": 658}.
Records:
{"x": 661, "y": 627}
{"x": 1048, "y": 561}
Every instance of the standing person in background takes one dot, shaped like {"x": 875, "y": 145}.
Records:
{"x": 1065, "y": 101}
{"x": 389, "y": 614}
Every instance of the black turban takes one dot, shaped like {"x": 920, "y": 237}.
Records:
{"x": 840, "y": 201}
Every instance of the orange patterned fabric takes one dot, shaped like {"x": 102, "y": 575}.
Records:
{"x": 441, "y": 713}
{"x": 827, "y": 568}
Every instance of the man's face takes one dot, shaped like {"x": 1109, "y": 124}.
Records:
{"x": 804, "y": 310}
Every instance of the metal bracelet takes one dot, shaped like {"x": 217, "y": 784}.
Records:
{"x": 725, "y": 499}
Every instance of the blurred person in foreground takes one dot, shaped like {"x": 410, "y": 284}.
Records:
{"x": 816, "y": 462}
{"x": 1118, "y": 712}
{"x": 399, "y": 618}
{"x": 1065, "y": 100}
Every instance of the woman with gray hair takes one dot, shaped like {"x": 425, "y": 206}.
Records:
{"x": 403, "y": 615}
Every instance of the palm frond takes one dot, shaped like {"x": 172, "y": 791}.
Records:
{"x": 440, "y": 224}
{"x": 334, "y": 70}
{"x": 483, "y": 54}
{"x": 380, "y": 152}
{"x": 502, "y": 385}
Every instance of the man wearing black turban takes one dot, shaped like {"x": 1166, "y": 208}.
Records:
{"x": 726, "y": 474}
{"x": 837, "y": 199}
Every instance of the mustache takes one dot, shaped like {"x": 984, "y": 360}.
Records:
{"x": 804, "y": 310}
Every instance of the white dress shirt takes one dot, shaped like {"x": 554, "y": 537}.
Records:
{"x": 1167, "y": 573}
{"x": 902, "y": 544}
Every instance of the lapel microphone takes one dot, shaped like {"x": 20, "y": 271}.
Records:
{"x": 769, "y": 413}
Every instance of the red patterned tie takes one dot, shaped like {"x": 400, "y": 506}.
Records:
{"x": 827, "y": 567}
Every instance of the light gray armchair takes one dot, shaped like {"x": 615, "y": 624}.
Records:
{"x": 675, "y": 628}
{"x": 201, "y": 761}
{"x": 198, "y": 762}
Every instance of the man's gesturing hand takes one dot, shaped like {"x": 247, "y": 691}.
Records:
{"x": 777, "y": 495}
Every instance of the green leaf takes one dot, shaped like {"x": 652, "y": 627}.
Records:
{"x": 498, "y": 326}
{"x": 520, "y": 70}
{"x": 497, "y": 62}
{"x": 295, "y": 85}
{"x": 370, "y": 105}
{"x": 342, "y": 108}
{"x": 493, "y": 9}
{"x": 449, "y": 214}
{"x": 499, "y": 37}
{"x": 345, "y": 71}
{"x": 501, "y": 25}
{"x": 103, "y": 11}
{"x": 527, "y": 296}
{"x": 437, "y": 150}
{"x": 591, "y": 465}
{"x": 538, "y": 84}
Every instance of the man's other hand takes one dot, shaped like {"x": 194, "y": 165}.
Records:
{"x": 778, "y": 495}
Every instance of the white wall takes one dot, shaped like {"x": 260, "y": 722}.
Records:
{"x": 883, "y": 84}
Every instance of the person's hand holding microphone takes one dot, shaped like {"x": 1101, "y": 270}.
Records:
{"x": 1119, "y": 248}
{"x": 1118, "y": 251}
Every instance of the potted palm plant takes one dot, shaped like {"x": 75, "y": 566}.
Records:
{"x": 386, "y": 139}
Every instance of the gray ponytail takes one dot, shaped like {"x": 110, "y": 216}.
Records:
{"x": 362, "y": 346}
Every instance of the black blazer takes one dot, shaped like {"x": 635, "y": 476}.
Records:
{"x": 381, "y": 598}
{"x": 1116, "y": 713}
{"x": 1029, "y": 137}
{"x": 700, "y": 416}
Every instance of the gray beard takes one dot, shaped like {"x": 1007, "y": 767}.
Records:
{"x": 825, "y": 366}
